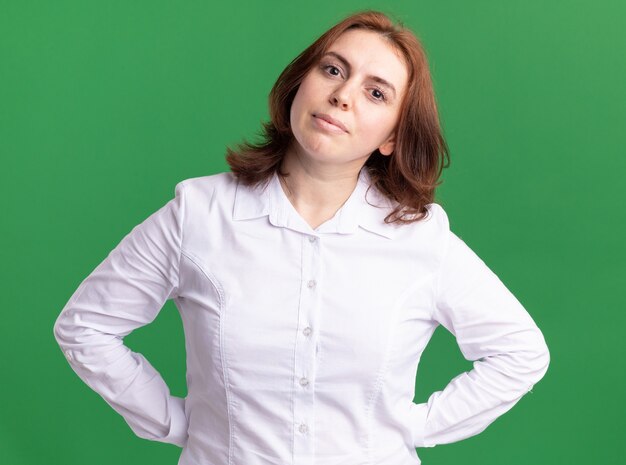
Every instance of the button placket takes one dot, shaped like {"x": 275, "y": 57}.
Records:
{"x": 306, "y": 352}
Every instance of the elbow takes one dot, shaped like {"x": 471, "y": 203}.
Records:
{"x": 57, "y": 330}
{"x": 527, "y": 365}
{"x": 544, "y": 359}
{"x": 62, "y": 335}
{"x": 538, "y": 362}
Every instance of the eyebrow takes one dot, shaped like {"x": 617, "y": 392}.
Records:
{"x": 373, "y": 78}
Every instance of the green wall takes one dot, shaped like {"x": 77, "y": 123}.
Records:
{"x": 105, "y": 106}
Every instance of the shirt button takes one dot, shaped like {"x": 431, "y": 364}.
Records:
{"x": 303, "y": 428}
{"x": 311, "y": 284}
{"x": 307, "y": 331}
{"x": 304, "y": 381}
{"x": 312, "y": 239}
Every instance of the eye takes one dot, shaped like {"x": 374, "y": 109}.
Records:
{"x": 379, "y": 94}
{"x": 330, "y": 68}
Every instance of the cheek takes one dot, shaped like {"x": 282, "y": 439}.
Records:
{"x": 294, "y": 115}
{"x": 379, "y": 125}
{"x": 311, "y": 93}
{"x": 297, "y": 106}
{"x": 297, "y": 117}
{"x": 304, "y": 103}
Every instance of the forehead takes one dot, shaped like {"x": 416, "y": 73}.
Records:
{"x": 371, "y": 53}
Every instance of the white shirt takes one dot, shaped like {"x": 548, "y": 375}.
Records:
{"x": 302, "y": 344}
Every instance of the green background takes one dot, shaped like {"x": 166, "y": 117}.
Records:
{"x": 105, "y": 106}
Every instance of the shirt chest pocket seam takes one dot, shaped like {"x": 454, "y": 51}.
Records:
{"x": 209, "y": 276}
{"x": 217, "y": 286}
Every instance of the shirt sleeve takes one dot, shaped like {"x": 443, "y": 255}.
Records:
{"x": 124, "y": 292}
{"x": 494, "y": 331}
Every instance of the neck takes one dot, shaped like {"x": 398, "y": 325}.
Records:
{"x": 316, "y": 189}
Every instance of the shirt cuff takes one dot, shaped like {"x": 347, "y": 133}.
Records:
{"x": 419, "y": 412}
{"x": 178, "y": 423}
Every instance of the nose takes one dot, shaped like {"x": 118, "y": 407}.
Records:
{"x": 341, "y": 97}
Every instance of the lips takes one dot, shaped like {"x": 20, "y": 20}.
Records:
{"x": 331, "y": 120}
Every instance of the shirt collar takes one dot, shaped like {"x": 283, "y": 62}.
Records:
{"x": 367, "y": 212}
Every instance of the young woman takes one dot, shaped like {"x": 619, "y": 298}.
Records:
{"x": 310, "y": 279}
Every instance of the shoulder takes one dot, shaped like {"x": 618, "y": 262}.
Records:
{"x": 434, "y": 225}
{"x": 199, "y": 196}
{"x": 438, "y": 217}
{"x": 427, "y": 238}
{"x": 207, "y": 185}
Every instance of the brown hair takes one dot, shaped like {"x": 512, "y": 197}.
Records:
{"x": 410, "y": 175}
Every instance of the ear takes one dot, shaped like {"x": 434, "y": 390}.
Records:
{"x": 388, "y": 146}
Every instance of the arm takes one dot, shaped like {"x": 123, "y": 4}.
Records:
{"x": 126, "y": 291}
{"x": 492, "y": 329}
